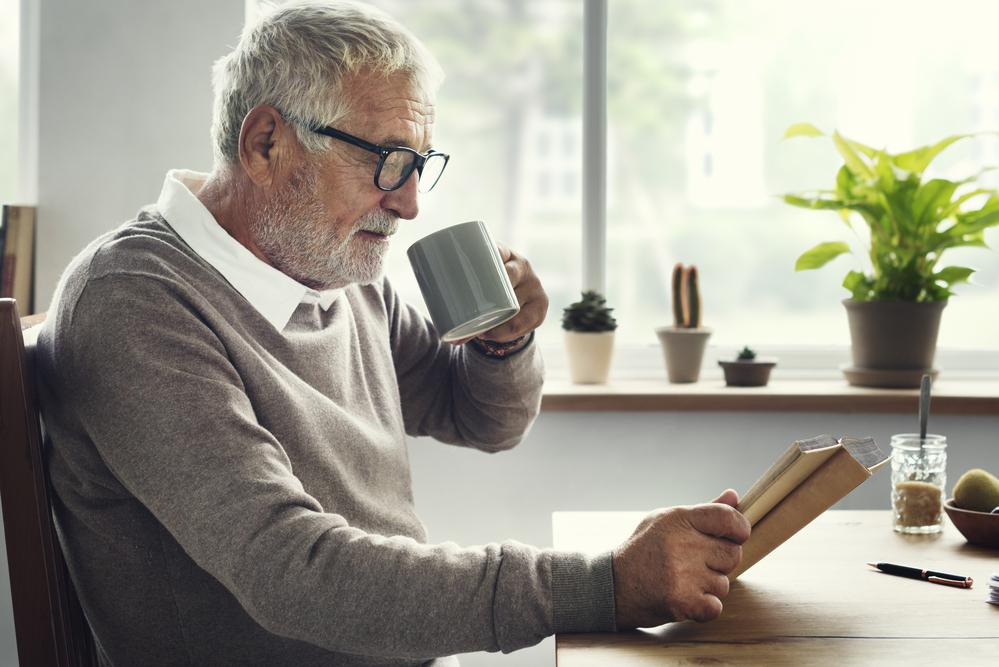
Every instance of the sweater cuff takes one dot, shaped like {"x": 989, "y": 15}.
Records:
{"x": 583, "y": 592}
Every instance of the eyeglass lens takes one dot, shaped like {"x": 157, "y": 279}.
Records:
{"x": 399, "y": 165}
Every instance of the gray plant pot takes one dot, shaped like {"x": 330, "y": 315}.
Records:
{"x": 683, "y": 351}
{"x": 896, "y": 338}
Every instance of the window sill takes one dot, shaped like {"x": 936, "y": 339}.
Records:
{"x": 954, "y": 397}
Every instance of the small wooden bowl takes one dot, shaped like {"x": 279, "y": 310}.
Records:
{"x": 979, "y": 528}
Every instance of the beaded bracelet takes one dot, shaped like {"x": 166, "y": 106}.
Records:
{"x": 496, "y": 350}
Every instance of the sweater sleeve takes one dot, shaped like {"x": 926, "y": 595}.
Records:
{"x": 457, "y": 394}
{"x": 154, "y": 391}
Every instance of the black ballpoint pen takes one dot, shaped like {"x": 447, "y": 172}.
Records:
{"x": 926, "y": 575}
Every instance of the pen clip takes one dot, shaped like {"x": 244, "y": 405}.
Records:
{"x": 957, "y": 583}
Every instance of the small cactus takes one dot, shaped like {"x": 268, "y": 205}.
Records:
{"x": 746, "y": 354}
{"x": 686, "y": 297}
{"x": 590, "y": 314}
{"x": 678, "y": 316}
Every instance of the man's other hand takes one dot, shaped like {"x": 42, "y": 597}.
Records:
{"x": 675, "y": 565}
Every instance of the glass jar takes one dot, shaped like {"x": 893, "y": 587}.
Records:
{"x": 918, "y": 478}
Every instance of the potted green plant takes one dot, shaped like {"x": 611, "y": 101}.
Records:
{"x": 746, "y": 370}
{"x": 683, "y": 343}
{"x": 589, "y": 338}
{"x": 895, "y": 306}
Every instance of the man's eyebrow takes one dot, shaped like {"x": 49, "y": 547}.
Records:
{"x": 399, "y": 141}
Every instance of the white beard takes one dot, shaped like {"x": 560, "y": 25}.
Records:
{"x": 294, "y": 232}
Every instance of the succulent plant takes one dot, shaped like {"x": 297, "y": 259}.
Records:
{"x": 686, "y": 297}
{"x": 590, "y": 314}
{"x": 746, "y": 354}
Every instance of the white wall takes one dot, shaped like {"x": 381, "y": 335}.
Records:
{"x": 125, "y": 95}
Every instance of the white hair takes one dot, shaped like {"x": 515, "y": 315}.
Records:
{"x": 297, "y": 57}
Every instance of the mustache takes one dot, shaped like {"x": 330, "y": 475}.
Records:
{"x": 380, "y": 223}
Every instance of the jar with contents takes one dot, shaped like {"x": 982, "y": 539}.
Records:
{"x": 918, "y": 478}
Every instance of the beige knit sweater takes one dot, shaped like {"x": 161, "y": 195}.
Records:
{"x": 228, "y": 494}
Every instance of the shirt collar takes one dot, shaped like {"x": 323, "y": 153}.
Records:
{"x": 272, "y": 293}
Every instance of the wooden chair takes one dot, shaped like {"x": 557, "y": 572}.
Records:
{"x": 49, "y": 624}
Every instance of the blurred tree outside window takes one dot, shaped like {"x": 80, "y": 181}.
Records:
{"x": 509, "y": 115}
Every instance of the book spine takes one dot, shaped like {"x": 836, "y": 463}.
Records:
{"x": 7, "y": 279}
{"x": 3, "y": 242}
{"x": 823, "y": 489}
{"x": 10, "y": 229}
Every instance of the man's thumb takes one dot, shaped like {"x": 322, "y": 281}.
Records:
{"x": 728, "y": 497}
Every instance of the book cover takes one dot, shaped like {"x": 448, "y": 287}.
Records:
{"x": 847, "y": 463}
{"x": 800, "y": 460}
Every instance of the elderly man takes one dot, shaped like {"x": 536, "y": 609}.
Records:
{"x": 228, "y": 384}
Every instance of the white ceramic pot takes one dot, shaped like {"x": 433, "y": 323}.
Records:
{"x": 589, "y": 355}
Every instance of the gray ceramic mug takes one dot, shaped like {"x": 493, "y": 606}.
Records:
{"x": 463, "y": 280}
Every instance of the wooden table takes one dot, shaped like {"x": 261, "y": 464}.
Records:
{"x": 812, "y": 601}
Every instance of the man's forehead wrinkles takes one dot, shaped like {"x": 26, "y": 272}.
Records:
{"x": 420, "y": 112}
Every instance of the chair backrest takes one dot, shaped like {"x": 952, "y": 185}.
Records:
{"x": 49, "y": 624}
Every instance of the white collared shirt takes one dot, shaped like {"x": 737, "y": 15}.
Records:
{"x": 274, "y": 294}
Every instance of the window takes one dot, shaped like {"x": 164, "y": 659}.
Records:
{"x": 9, "y": 63}
{"x": 699, "y": 93}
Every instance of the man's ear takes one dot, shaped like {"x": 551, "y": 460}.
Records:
{"x": 266, "y": 142}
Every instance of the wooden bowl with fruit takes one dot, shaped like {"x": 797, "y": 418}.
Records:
{"x": 974, "y": 509}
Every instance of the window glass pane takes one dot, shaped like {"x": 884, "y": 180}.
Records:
{"x": 700, "y": 94}
{"x": 9, "y": 58}
{"x": 509, "y": 115}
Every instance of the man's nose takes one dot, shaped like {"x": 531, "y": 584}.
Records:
{"x": 404, "y": 201}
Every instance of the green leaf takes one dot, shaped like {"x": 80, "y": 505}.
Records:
{"x": 845, "y": 182}
{"x": 822, "y": 200}
{"x": 820, "y": 255}
{"x": 853, "y": 161}
{"x": 859, "y": 285}
{"x": 942, "y": 240}
{"x": 860, "y": 148}
{"x": 931, "y": 197}
{"x": 955, "y": 205}
{"x": 953, "y": 274}
{"x": 976, "y": 221}
{"x": 803, "y": 130}
{"x": 845, "y": 216}
{"x": 919, "y": 159}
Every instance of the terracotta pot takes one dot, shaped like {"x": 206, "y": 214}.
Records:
{"x": 747, "y": 372}
{"x": 683, "y": 351}
{"x": 589, "y": 355}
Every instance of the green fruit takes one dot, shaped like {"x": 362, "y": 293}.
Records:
{"x": 977, "y": 490}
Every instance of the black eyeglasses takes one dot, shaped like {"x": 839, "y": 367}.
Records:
{"x": 396, "y": 163}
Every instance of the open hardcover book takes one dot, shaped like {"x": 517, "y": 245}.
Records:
{"x": 809, "y": 478}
